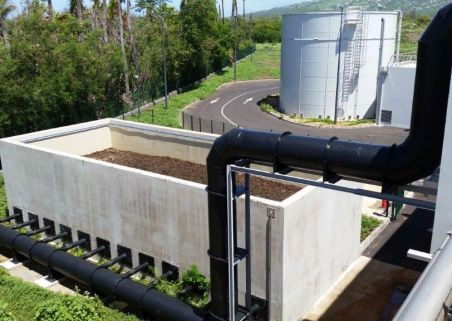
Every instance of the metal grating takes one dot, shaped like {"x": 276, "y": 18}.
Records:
{"x": 386, "y": 116}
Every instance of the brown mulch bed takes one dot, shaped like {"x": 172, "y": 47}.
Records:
{"x": 190, "y": 172}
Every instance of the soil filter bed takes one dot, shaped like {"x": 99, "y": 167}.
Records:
{"x": 190, "y": 171}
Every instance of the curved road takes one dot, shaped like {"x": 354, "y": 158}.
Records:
{"x": 236, "y": 104}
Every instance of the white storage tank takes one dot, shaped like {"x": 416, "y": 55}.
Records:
{"x": 316, "y": 45}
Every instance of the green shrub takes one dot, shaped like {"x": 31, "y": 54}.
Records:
{"x": 4, "y": 314}
{"x": 192, "y": 277}
{"x": 68, "y": 308}
{"x": 368, "y": 225}
{"x": 3, "y": 205}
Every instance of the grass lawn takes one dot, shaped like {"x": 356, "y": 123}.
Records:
{"x": 22, "y": 300}
{"x": 368, "y": 225}
{"x": 264, "y": 64}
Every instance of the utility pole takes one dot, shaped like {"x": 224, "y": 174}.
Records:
{"x": 244, "y": 16}
{"x": 251, "y": 35}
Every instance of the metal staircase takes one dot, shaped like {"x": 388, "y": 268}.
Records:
{"x": 353, "y": 59}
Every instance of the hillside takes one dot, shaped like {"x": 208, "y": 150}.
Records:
{"x": 422, "y": 7}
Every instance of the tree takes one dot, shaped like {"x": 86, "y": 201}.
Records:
{"x": 5, "y": 10}
{"x": 104, "y": 21}
{"x": 199, "y": 26}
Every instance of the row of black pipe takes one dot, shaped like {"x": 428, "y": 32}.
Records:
{"x": 154, "y": 304}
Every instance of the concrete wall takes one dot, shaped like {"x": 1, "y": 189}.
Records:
{"x": 142, "y": 139}
{"x": 312, "y": 240}
{"x": 81, "y": 139}
{"x": 321, "y": 239}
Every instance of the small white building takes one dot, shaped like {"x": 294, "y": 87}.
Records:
{"x": 397, "y": 90}
{"x": 332, "y": 59}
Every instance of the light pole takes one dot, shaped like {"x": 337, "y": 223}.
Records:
{"x": 164, "y": 26}
{"x": 235, "y": 40}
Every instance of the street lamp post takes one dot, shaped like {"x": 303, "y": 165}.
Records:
{"x": 235, "y": 42}
{"x": 165, "y": 76}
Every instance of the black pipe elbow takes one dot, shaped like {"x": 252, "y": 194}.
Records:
{"x": 417, "y": 157}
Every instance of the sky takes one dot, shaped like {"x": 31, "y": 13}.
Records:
{"x": 251, "y": 5}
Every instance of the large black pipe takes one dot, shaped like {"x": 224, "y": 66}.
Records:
{"x": 156, "y": 305}
{"x": 417, "y": 157}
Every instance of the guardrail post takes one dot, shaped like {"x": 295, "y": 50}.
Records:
{"x": 191, "y": 121}
{"x": 183, "y": 120}
{"x": 211, "y": 126}
{"x": 199, "y": 118}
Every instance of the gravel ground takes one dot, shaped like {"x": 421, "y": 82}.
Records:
{"x": 191, "y": 172}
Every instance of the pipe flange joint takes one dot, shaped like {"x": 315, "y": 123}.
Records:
{"x": 328, "y": 175}
{"x": 277, "y": 165}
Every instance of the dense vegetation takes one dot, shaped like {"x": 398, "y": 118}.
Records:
{"x": 413, "y": 26}
{"x": 93, "y": 62}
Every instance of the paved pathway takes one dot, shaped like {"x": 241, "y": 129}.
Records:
{"x": 236, "y": 104}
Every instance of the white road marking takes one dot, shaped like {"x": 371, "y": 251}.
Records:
{"x": 237, "y": 97}
{"x": 214, "y": 101}
{"x": 248, "y": 100}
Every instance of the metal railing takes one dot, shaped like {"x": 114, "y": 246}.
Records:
{"x": 236, "y": 311}
{"x": 198, "y": 124}
{"x": 403, "y": 58}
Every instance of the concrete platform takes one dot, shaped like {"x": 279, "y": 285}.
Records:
{"x": 375, "y": 286}
{"x": 371, "y": 291}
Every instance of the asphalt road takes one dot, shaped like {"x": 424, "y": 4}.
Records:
{"x": 236, "y": 104}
